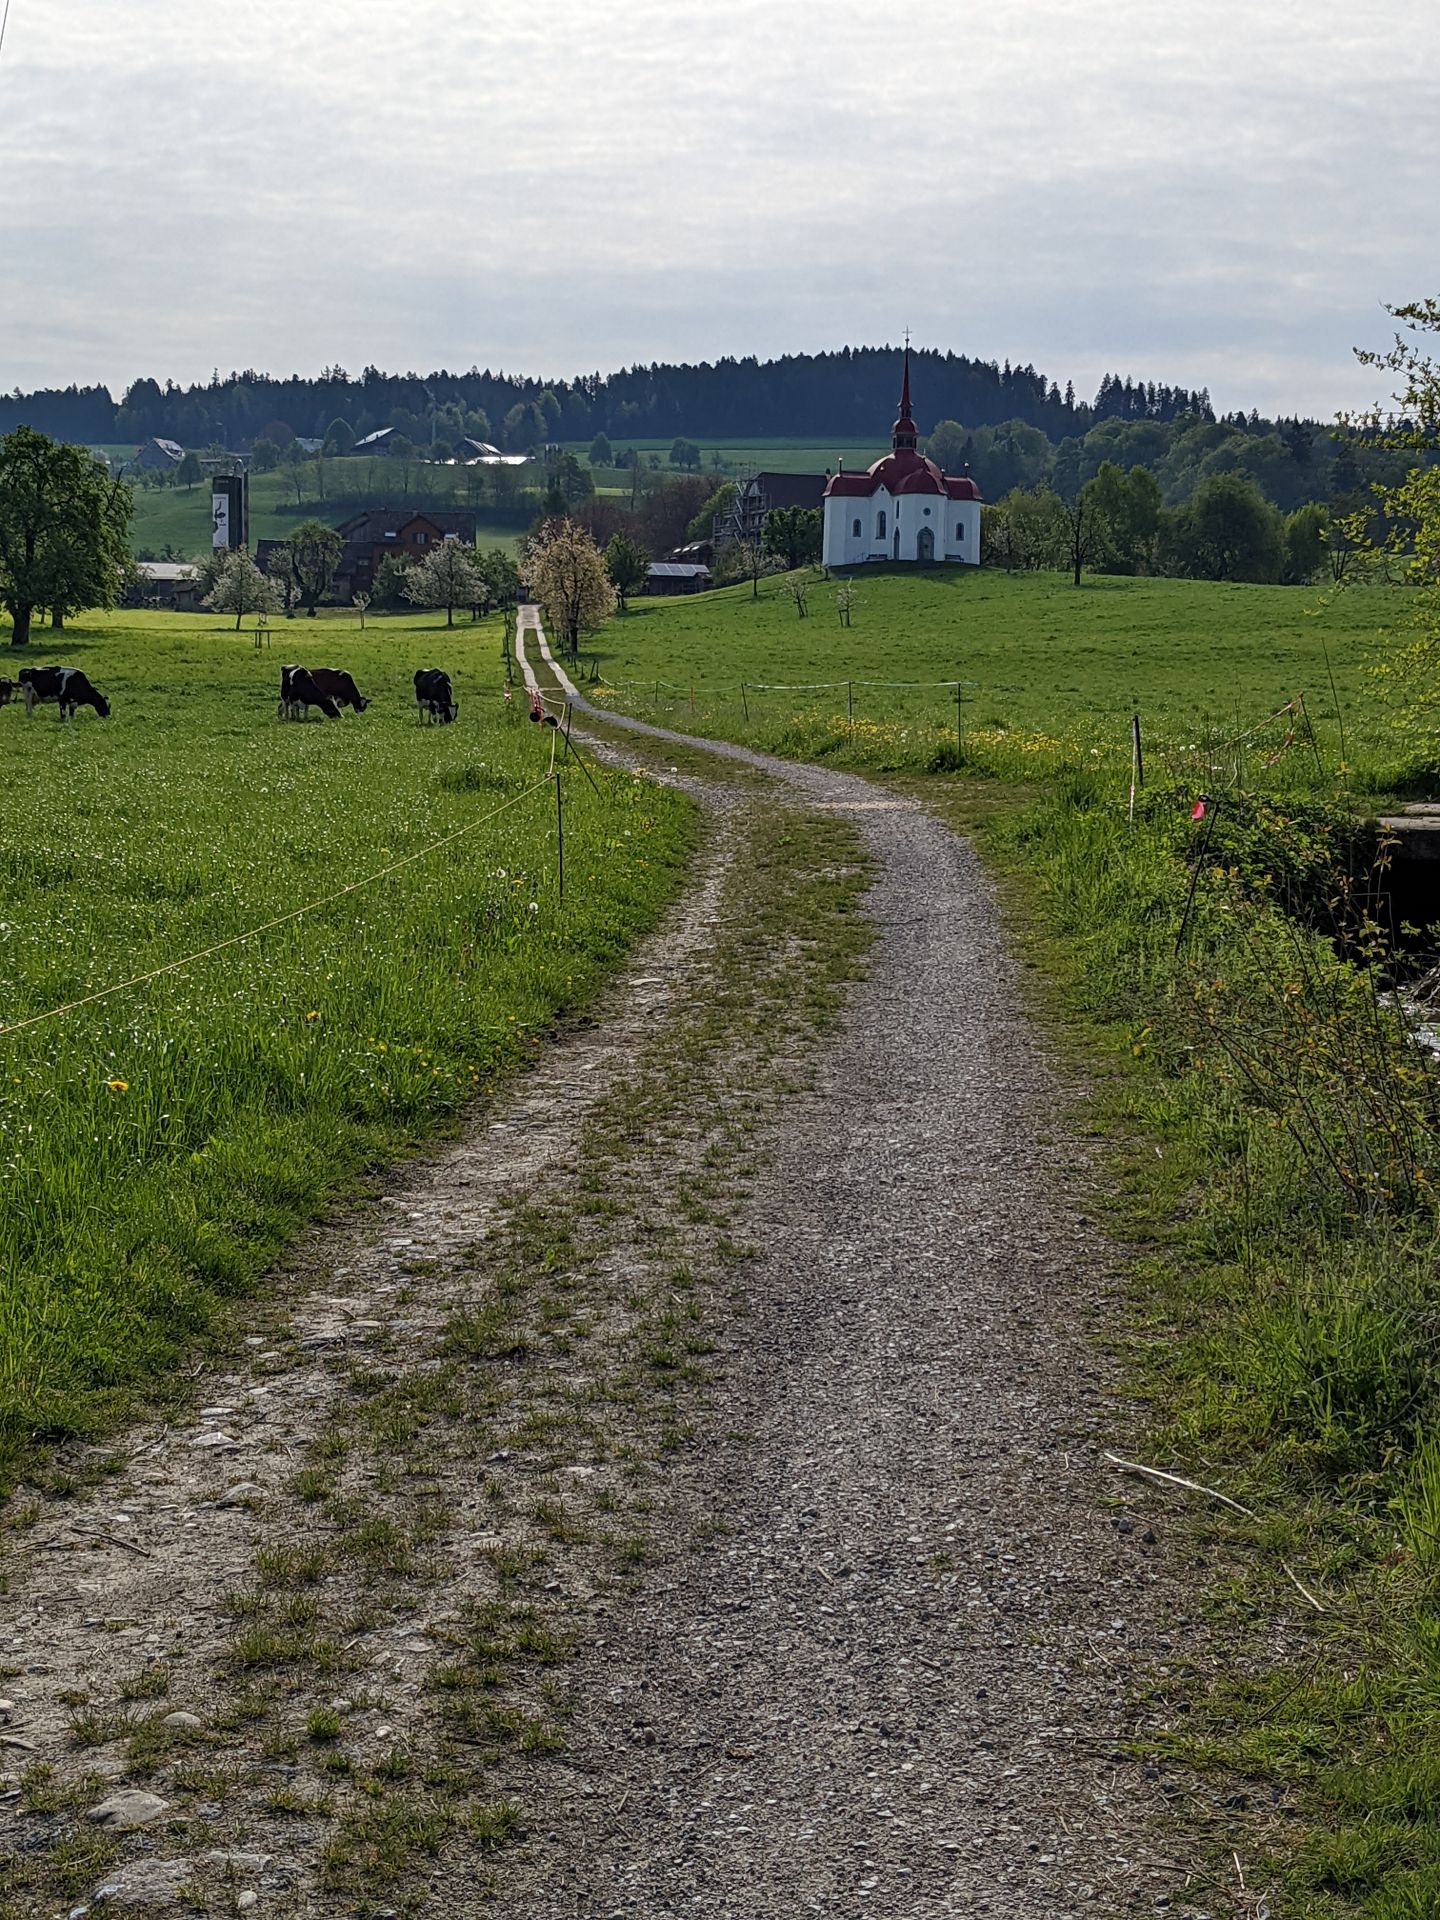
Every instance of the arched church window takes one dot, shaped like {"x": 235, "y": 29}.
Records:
{"x": 856, "y": 529}
{"x": 960, "y": 532}
{"x": 880, "y": 524}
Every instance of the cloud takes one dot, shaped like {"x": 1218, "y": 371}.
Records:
{"x": 1211, "y": 193}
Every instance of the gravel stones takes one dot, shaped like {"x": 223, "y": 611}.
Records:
{"x": 130, "y": 1808}
{"x": 145, "y": 1883}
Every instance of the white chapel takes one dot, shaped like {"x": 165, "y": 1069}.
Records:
{"x": 902, "y": 508}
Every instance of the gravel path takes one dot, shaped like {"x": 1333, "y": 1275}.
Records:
{"x": 895, "y": 1684}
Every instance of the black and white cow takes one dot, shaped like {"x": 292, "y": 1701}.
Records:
{"x": 298, "y": 693}
{"x": 324, "y": 687}
{"x": 67, "y": 686}
{"x": 433, "y": 696}
{"x": 7, "y": 690}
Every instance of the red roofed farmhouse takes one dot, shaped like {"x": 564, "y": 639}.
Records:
{"x": 902, "y": 508}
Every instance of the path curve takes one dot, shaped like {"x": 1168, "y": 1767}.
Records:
{"x": 897, "y": 1683}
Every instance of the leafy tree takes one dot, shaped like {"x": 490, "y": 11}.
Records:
{"x": 388, "y": 586}
{"x": 189, "y": 471}
{"x": 628, "y": 566}
{"x": 568, "y": 578}
{"x": 1305, "y": 545}
{"x": 1403, "y": 525}
{"x": 1129, "y": 506}
{"x": 501, "y": 577}
{"x": 685, "y": 453}
{"x": 1084, "y": 529}
{"x": 314, "y": 551}
{"x": 523, "y": 428}
{"x": 571, "y": 481}
{"x": 449, "y": 576}
{"x": 264, "y": 456}
{"x": 63, "y": 530}
{"x": 719, "y": 504}
{"x": 1227, "y": 530}
{"x": 238, "y": 586}
{"x": 793, "y": 536}
{"x": 601, "y": 454}
{"x": 668, "y": 511}
{"x": 948, "y": 445}
{"x": 1025, "y": 530}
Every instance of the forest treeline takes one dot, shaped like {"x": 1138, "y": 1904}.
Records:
{"x": 1011, "y": 425}
{"x": 799, "y": 396}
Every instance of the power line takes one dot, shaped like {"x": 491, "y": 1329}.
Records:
{"x": 4, "y": 22}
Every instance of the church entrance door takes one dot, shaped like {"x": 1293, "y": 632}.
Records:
{"x": 925, "y": 544}
{"x": 897, "y": 543}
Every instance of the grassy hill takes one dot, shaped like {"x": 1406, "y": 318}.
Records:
{"x": 1051, "y": 674}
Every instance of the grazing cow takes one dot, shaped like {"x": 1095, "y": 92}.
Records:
{"x": 67, "y": 686}
{"x": 7, "y": 691}
{"x": 299, "y": 692}
{"x": 339, "y": 686}
{"x": 433, "y": 696}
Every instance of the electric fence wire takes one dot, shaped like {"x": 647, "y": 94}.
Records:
{"x": 283, "y": 919}
{"x": 4, "y": 23}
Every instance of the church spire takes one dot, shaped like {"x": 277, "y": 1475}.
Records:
{"x": 904, "y": 435}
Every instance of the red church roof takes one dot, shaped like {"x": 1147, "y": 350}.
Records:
{"x": 904, "y": 469}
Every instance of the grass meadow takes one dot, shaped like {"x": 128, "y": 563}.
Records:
{"x": 738, "y": 457}
{"x": 1051, "y": 674}
{"x": 159, "y": 1145}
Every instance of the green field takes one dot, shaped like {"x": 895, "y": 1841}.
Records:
{"x": 1050, "y": 674}
{"x": 160, "y": 1144}
{"x": 178, "y": 518}
{"x": 742, "y": 456}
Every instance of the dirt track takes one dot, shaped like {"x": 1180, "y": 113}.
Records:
{"x": 897, "y": 1684}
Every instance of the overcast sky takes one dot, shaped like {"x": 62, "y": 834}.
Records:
{"x": 1200, "y": 191}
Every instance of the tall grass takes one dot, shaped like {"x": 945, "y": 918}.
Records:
{"x": 1284, "y": 1161}
{"x": 159, "y": 1145}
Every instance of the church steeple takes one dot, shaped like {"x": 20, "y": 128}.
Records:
{"x": 904, "y": 435}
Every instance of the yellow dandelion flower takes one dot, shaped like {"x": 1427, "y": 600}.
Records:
{"x": 118, "y": 1086}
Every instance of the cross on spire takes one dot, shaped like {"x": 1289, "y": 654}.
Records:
{"x": 903, "y": 436}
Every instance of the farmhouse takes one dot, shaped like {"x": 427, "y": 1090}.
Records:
{"x": 676, "y": 576}
{"x": 158, "y": 456}
{"x": 164, "y": 583}
{"x": 903, "y": 507}
{"x": 383, "y": 440}
{"x": 369, "y": 536}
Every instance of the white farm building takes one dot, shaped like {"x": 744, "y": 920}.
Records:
{"x": 902, "y": 508}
